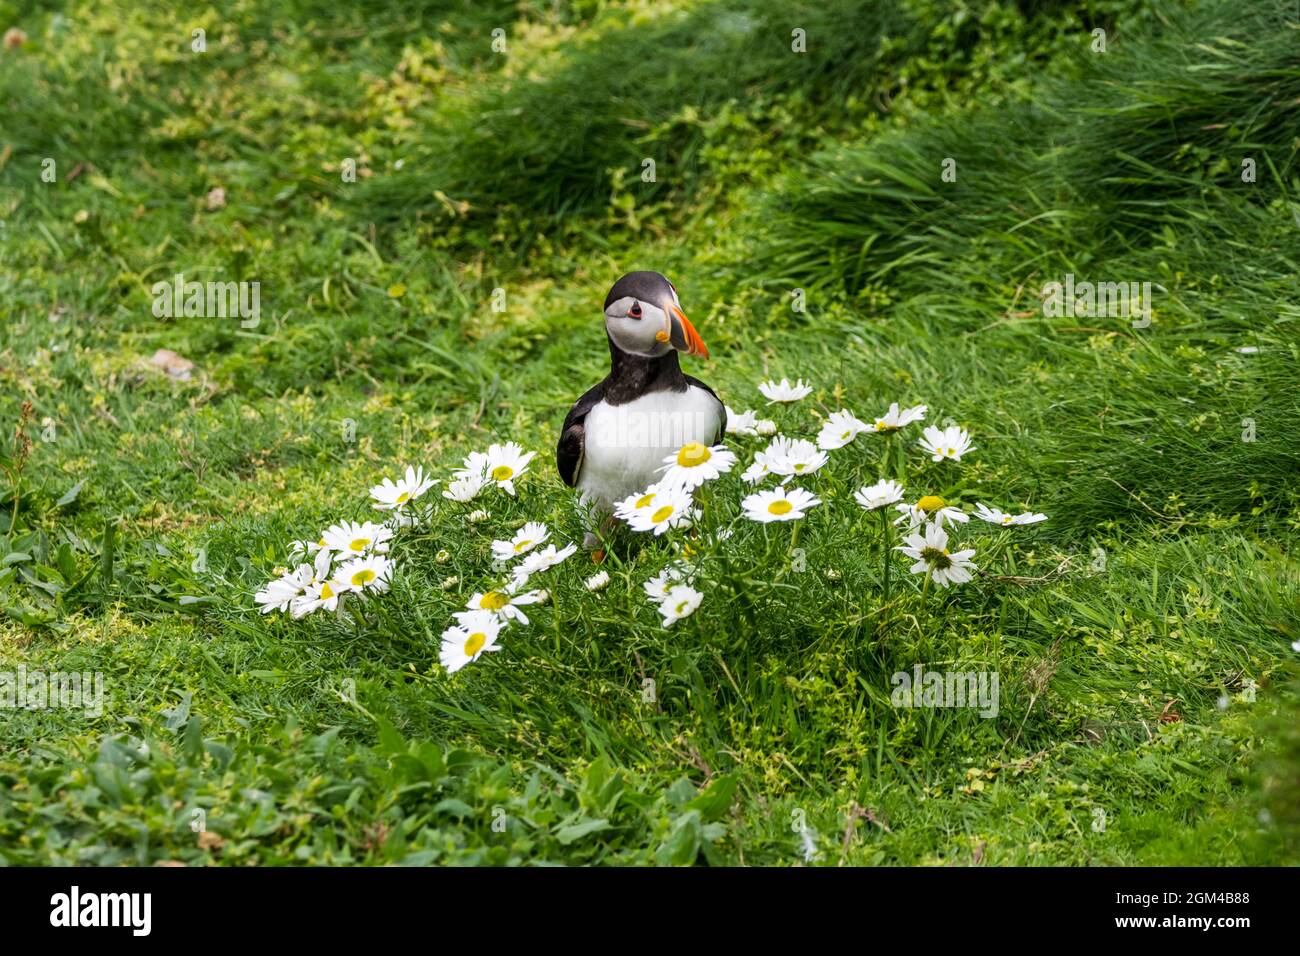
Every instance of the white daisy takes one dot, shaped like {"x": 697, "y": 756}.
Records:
{"x": 280, "y": 593}
{"x": 930, "y": 508}
{"x": 305, "y": 549}
{"x": 930, "y": 551}
{"x": 321, "y": 591}
{"x": 951, "y": 442}
{"x": 505, "y": 463}
{"x": 778, "y": 505}
{"x": 741, "y": 423}
{"x": 526, "y": 538}
{"x": 669, "y": 508}
{"x": 623, "y": 510}
{"x": 537, "y": 561}
{"x": 465, "y": 642}
{"x": 680, "y": 601}
{"x": 783, "y": 391}
{"x": 998, "y": 516}
{"x": 503, "y": 602}
{"x": 465, "y": 487}
{"x": 840, "y": 429}
{"x": 392, "y": 495}
{"x": 663, "y": 582}
{"x": 319, "y": 594}
{"x": 693, "y": 464}
{"x": 597, "y": 581}
{"x": 765, "y": 427}
{"x": 894, "y": 419}
{"x": 797, "y": 457}
{"x": 370, "y": 573}
{"x": 879, "y": 495}
{"x": 765, "y": 461}
{"x": 353, "y": 539}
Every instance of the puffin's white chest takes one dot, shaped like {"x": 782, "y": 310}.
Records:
{"x": 624, "y": 446}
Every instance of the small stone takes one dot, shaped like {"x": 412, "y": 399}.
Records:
{"x": 176, "y": 366}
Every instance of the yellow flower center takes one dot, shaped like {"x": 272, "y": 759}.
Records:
{"x": 474, "y": 643}
{"x": 326, "y": 592}
{"x": 681, "y": 606}
{"x": 663, "y": 514}
{"x": 363, "y": 577}
{"x": 693, "y": 455}
{"x": 502, "y": 473}
{"x": 359, "y": 544}
{"x": 781, "y": 507}
{"x": 645, "y": 499}
{"x": 494, "y": 601}
{"x": 800, "y": 467}
{"x": 930, "y": 504}
{"x": 846, "y": 435}
{"x": 524, "y": 545}
{"x": 403, "y": 497}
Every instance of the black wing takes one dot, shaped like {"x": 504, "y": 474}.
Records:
{"x": 722, "y": 409}
{"x": 568, "y": 452}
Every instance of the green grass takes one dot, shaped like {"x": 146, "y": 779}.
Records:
{"x": 1141, "y": 635}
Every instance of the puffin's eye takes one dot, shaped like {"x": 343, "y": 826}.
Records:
{"x": 635, "y": 311}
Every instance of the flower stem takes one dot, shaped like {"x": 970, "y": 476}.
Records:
{"x": 884, "y": 551}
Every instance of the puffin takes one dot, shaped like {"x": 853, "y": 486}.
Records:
{"x": 616, "y": 436}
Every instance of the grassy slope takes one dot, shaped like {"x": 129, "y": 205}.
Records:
{"x": 777, "y": 695}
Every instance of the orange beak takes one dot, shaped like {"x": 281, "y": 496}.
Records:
{"x": 682, "y": 334}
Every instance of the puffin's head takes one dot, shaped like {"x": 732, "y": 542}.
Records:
{"x": 643, "y": 317}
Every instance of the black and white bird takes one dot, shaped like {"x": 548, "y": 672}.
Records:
{"x": 616, "y": 437}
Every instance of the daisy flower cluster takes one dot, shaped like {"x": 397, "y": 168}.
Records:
{"x": 672, "y": 594}
{"x": 488, "y": 613}
{"x": 353, "y": 560}
{"x": 530, "y": 551}
{"x": 499, "y": 466}
{"x": 347, "y": 558}
{"x": 782, "y": 469}
{"x": 783, "y": 482}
